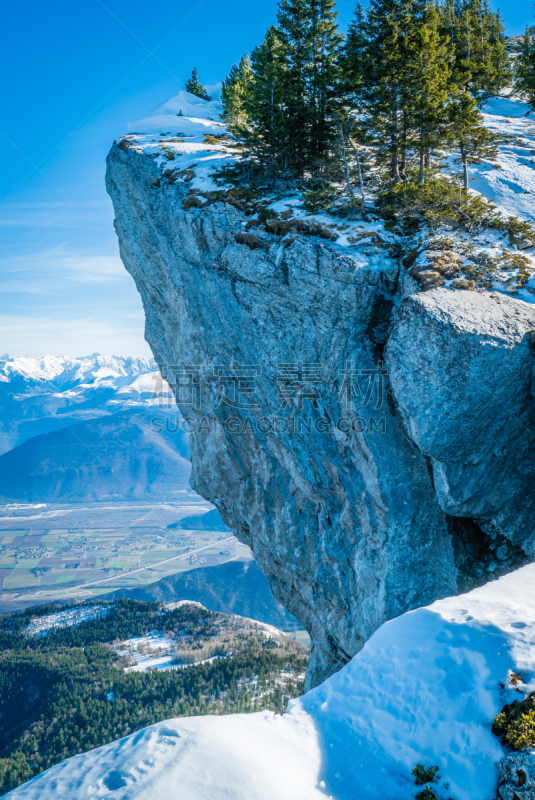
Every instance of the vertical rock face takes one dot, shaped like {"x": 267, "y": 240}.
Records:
{"x": 460, "y": 366}
{"x": 360, "y": 495}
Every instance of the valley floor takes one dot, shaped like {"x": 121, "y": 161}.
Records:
{"x": 78, "y": 551}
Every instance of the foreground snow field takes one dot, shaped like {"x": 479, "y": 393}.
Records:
{"x": 425, "y": 688}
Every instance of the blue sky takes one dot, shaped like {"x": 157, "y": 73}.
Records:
{"x": 74, "y": 75}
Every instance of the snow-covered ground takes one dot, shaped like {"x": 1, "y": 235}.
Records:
{"x": 425, "y": 688}
{"x": 175, "y": 134}
{"x": 40, "y": 626}
{"x": 154, "y": 651}
{"x": 512, "y": 186}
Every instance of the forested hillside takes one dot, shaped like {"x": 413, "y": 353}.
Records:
{"x": 65, "y": 690}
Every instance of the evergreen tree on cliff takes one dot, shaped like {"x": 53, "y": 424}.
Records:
{"x": 194, "y": 87}
{"x": 426, "y": 94}
{"x": 477, "y": 53}
{"x": 291, "y": 100}
{"x": 490, "y": 68}
{"x": 472, "y": 140}
{"x": 324, "y": 79}
{"x": 351, "y": 59}
{"x": 385, "y": 84}
{"x": 235, "y": 93}
{"x": 267, "y": 136}
{"x": 310, "y": 44}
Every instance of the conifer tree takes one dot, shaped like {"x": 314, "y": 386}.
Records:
{"x": 383, "y": 93}
{"x": 477, "y": 56}
{"x": 194, "y": 87}
{"x": 292, "y": 30}
{"x": 427, "y": 88}
{"x": 525, "y": 68}
{"x": 235, "y": 92}
{"x": 324, "y": 84}
{"x": 351, "y": 59}
{"x": 293, "y": 94}
{"x": 489, "y": 67}
{"x": 311, "y": 44}
{"x": 472, "y": 140}
{"x": 265, "y": 135}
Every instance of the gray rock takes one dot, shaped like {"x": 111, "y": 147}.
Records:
{"x": 460, "y": 368}
{"x": 357, "y": 507}
{"x": 517, "y": 777}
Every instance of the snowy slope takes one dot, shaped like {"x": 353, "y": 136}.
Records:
{"x": 512, "y": 187}
{"x": 425, "y": 688}
{"x": 175, "y": 135}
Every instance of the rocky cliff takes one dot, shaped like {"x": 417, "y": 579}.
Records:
{"x": 373, "y": 446}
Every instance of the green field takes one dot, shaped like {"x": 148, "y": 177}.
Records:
{"x": 52, "y": 552}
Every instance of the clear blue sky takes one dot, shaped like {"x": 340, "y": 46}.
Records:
{"x": 74, "y": 74}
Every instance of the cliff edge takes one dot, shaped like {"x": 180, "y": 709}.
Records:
{"x": 371, "y": 443}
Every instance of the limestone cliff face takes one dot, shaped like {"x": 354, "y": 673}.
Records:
{"x": 362, "y": 490}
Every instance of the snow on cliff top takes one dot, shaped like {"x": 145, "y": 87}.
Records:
{"x": 425, "y": 688}
{"x": 193, "y": 111}
{"x": 187, "y": 135}
{"x": 176, "y": 132}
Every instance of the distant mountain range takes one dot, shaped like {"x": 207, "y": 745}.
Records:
{"x": 80, "y": 430}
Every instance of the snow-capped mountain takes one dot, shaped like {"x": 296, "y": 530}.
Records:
{"x": 62, "y": 371}
{"x": 38, "y": 395}
{"x": 81, "y": 429}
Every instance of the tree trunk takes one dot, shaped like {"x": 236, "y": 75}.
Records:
{"x": 361, "y": 182}
{"x": 465, "y": 172}
{"x": 468, "y": 37}
{"x": 422, "y": 166}
{"x": 395, "y": 165}
{"x": 404, "y": 149}
{"x": 343, "y": 138}
{"x": 394, "y": 133}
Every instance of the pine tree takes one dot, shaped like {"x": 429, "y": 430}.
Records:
{"x": 324, "y": 85}
{"x": 427, "y": 88}
{"x": 478, "y": 57}
{"x": 384, "y": 90}
{"x": 235, "y": 91}
{"x": 292, "y": 29}
{"x": 194, "y": 87}
{"x": 265, "y": 136}
{"x": 351, "y": 59}
{"x": 471, "y": 139}
{"x": 489, "y": 67}
{"x": 293, "y": 94}
{"x": 525, "y": 68}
